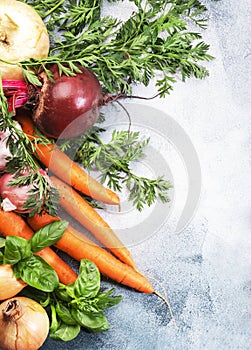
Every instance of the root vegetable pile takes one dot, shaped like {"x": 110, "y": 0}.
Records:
{"x": 59, "y": 64}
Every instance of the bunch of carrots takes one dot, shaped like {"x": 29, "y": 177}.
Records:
{"x": 114, "y": 261}
{"x": 69, "y": 179}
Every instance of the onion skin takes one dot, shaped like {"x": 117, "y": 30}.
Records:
{"x": 24, "y": 324}
{"x": 9, "y": 285}
{"x": 23, "y": 35}
{"x": 70, "y": 105}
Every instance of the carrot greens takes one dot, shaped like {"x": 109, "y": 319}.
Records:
{"x": 114, "y": 160}
{"x": 160, "y": 41}
{"x": 156, "y": 39}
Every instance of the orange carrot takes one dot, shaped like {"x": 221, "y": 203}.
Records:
{"x": 87, "y": 216}
{"x": 66, "y": 169}
{"x": 107, "y": 264}
{"x": 11, "y": 224}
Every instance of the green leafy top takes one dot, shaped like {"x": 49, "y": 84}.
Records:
{"x": 154, "y": 40}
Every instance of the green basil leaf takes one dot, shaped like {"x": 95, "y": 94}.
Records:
{"x": 104, "y": 300}
{"x": 48, "y": 235}
{"x": 16, "y": 249}
{"x": 88, "y": 282}
{"x": 1, "y": 258}
{"x": 41, "y": 297}
{"x": 64, "y": 314}
{"x": 55, "y": 324}
{"x": 66, "y": 332}
{"x": 65, "y": 293}
{"x": 90, "y": 318}
{"x": 37, "y": 273}
{"x": 2, "y": 242}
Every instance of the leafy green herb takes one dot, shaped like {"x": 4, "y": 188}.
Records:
{"x": 113, "y": 160}
{"x": 32, "y": 269}
{"x": 36, "y": 273}
{"x": 154, "y": 41}
{"x": 80, "y": 304}
{"x": 48, "y": 235}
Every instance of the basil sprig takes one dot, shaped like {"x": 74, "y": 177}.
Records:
{"x": 31, "y": 268}
{"x": 79, "y": 304}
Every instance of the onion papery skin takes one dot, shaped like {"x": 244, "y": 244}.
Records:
{"x": 9, "y": 285}
{"x": 23, "y": 35}
{"x": 24, "y": 324}
{"x": 70, "y": 105}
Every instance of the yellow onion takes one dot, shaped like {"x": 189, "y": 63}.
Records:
{"x": 9, "y": 285}
{"x": 24, "y": 324}
{"x": 23, "y": 35}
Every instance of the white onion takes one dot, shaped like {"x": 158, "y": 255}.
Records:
{"x": 24, "y": 324}
{"x": 9, "y": 285}
{"x": 23, "y": 35}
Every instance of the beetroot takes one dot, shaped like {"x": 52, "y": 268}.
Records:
{"x": 70, "y": 105}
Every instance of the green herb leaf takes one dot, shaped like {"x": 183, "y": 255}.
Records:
{"x": 104, "y": 300}
{"x": 87, "y": 284}
{"x": 48, "y": 235}
{"x": 36, "y": 273}
{"x": 64, "y": 314}
{"x": 90, "y": 317}
{"x": 2, "y": 242}
{"x": 65, "y": 332}
{"x": 16, "y": 249}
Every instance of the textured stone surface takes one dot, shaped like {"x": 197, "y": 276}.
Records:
{"x": 205, "y": 267}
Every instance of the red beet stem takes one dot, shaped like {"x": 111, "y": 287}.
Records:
{"x": 16, "y": 92}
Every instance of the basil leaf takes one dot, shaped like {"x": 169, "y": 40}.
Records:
{"x": 1, "y": 258}
{"x": 88, "y": 282}
{"x": 16, "y": 249}
{"x": 41, "y": 297}
{"x": 48, "y": 235}
{"x": 90, "y": 318}
{"x": 37, "y": 273}
{"x": 65, "y": 293}
{"x": 64, "y": 314}
{"x": 2, "y": 242}
{"x": 55, "y": 323}
{"x": 66, "y": 332}
{"x": 104, "y": 300}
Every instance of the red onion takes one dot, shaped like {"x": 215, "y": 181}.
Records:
{"x": 15, "y": 197}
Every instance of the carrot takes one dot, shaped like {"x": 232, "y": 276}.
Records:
{"x": 107, "y": 264}
{"x": 87, "y": 216}
{"x": 66, "y": 169}
{"x": 11, "y": 224}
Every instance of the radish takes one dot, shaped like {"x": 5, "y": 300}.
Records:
{"x": 23, "y": 35}
{"x": 14, "y": 197}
